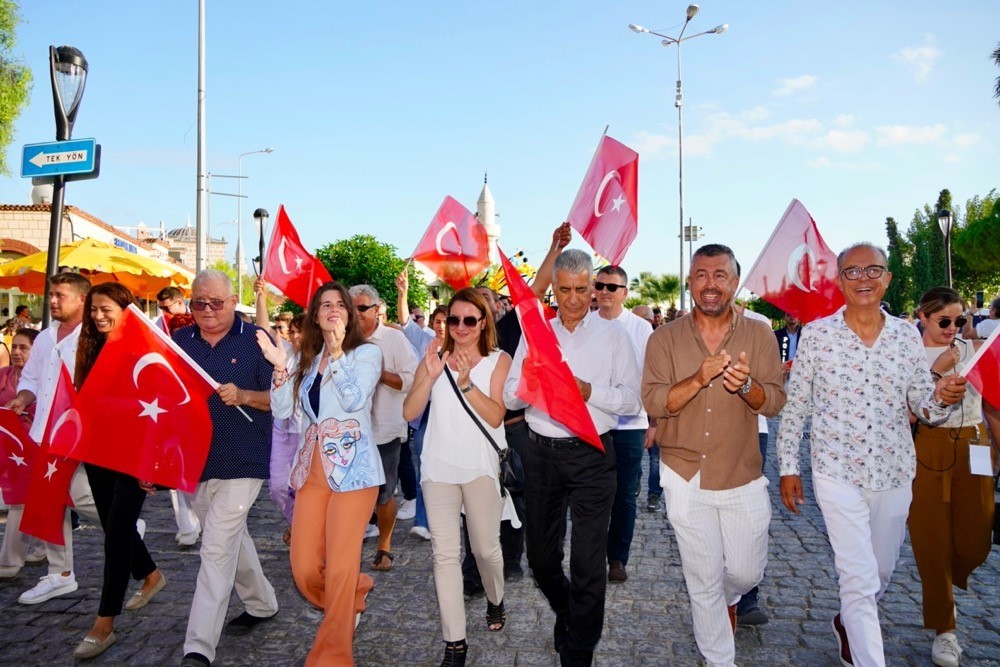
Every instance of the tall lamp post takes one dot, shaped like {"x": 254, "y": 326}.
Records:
{"x": 670, "y": 41}
{"x": 944, "y": 221}
{"x": 239, "y": 220}
{"x": 68, "y": 73}
{"x": 261, "y": 215}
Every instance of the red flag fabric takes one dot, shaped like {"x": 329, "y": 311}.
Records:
{"x": 17, "y": 455}
{"x": 796, "y": 271}
{"x": 289, "y": 266}
{"x": 48, "y": 489}
{"x": 606, "y": 209}
{"x": 547, "y": 382}
{"x": 455, "y": 246}
{"x": 983, "y": 370}
{"x": 156, "y": 400}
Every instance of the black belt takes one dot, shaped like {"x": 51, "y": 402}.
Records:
{"x": 556, "y": 443}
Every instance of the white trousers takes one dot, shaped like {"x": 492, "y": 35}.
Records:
{"x": 866, "y": 530}
{"x": 14, "y": 550}
{"x": 228, "y": 558}
{"x": 722, "y": 538}
{"x": 183, "y": 504}
{"x": 61, "y": 558}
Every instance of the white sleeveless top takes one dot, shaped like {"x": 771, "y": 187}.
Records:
{"x": 970, "y": 412}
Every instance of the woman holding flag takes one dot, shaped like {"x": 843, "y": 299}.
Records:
{"x": 951, "y": 514}
{"x": 119, "y": 497}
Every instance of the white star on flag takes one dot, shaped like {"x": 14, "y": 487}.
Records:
{"x": 618, "y": 201}
{"x": 52, "y": 470}
{"x": 18, "y": 460}
{"x": 151, "y": 410}
{"x": 298, "y": 264}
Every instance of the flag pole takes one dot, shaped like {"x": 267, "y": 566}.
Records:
{"x": 769, "y": 239}
{"x": 592, "y": 161}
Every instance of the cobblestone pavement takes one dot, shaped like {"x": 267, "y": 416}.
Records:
{"x": 647, "y": 622}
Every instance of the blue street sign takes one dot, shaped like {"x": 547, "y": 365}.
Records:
{"x": 55, "y": 158}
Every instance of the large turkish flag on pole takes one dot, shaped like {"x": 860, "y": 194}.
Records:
{"x": 289, "y": 266}
{"x": 145, "y": 408}
{"x": 983, "y": 370}
{"x": 17, "y": 456}
{"x": 455, "y": 246}
{"x": 547, "y": 382}
{"x": 51, "y": 475}
{"x": 606, "y": 209}
{"x": 796, "y": 270}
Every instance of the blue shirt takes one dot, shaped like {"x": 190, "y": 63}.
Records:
{"x": 240, "y": 448}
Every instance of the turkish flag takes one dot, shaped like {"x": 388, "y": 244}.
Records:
{"x": 983, "y": 370}
{"x": 17, "y": 454}
{"x": 48, "y": 488}
{"x": 145, "y": 408}
{"x": 547, "y": 382}
{"x": 796, "y": 270}
{"x": 289, "y": 266}
{"x": 455, "y": 246}
{"x": 606, "y": 210}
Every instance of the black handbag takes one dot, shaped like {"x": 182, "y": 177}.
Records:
{"x": 511, "y": 473}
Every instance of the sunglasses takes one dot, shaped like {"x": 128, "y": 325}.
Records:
{"x": 469, "y": 321}
{"x": 214, "y": 304}
{"x": 365, "y": 309}
{"x": 945, "y": 322}
{"x": 611, "y": 287}
{"x": 418, "y": 317}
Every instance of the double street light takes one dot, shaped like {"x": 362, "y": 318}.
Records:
{"x": 670, "y": 41}
{"x": 944, "y": 222}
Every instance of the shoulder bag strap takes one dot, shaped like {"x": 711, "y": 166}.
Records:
{"x": 461, "y": 399}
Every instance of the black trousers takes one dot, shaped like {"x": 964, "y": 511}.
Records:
{"x": 119, "y": 500}
{"x": 584, "y": 480}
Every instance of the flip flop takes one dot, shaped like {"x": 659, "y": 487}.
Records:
{"x": 379, "y": 562}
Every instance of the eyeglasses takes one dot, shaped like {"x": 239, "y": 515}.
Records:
{"x": 611, "y": 287}
{"x": 469, "y": 321}
{"x": 854, "y": 272}
{"x": 945, "y": 322}
{"x": 365, "y": 309}
{"x": 418, "y": 317}
{"x": 214, "y": 304}
{"x": 166, "y": 307}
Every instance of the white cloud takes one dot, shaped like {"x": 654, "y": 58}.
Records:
{"x": 846, "y": 141}
{"x": 896, "y": 135}
{"x": 647, "y": 143}
{"x": 966, "y": 140}
{"x": 788, "y": 86}
{"x": 919, "y": 60}
{"x": 844, "y": 120}
{"x": 952, "y": 159}
{"x": 819, "y": 163}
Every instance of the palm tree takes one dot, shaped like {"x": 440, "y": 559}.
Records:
{"x": 996, "y": 60}
{"x": 656, "y": 288}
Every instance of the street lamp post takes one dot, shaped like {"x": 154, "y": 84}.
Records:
{"x": 68, "y": 73}
{"x": 261, "y": 215}
{"x": 678, "y": 102}
{"x": 239, "y": 220}
{"x": 944, "y": 222}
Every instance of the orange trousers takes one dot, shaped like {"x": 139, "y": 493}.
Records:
{"x": 951, "y": 518}
{"x": 328, "y": 528}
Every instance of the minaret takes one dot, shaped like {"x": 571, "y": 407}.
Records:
{"x": 486, "y": 212}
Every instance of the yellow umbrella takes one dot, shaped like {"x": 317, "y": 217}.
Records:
{"x": 101, "y": 263}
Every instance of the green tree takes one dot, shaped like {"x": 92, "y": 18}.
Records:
{"x": 928, "y": 268}
{"x": 976, "y": 247}
{"x": 996, "y": 61}
{"x": 765, "y": 308}
{"x": 15, "y": 79}
{"x": 656, "y": 289}
{"x": 900, "y": 255}
{"x": 363, "y": 259}
{"x": 249, "y": 297}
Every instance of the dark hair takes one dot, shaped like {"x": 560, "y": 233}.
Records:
{"x": 20, "y": 309}
{"x": 438, "y": 310}
{"x": 74, "y": 280}
{"x": 169, "y": 293}
{"x": 488, "y": 337}
{"x": 995, "y": 305}
{"x": 297, "y": 321}
{"x": 610, "y": 270}
{"x": 716, "y": 249}
{"x": 937, "y": 298}
{"x": 27, "y": 332}
{"x": 311, "y": 343}
{"x": 91, "y": 340}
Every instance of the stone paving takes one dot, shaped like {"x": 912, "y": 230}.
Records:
{"x": 647, "y": 622}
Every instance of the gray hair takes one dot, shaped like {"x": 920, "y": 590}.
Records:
{"x": 365, "y": 290}
{"x": 212, "y": 276}
{"x": 573, "y": 261}
{"x": 716, "y": 250}
{"x": 863, "y": 244}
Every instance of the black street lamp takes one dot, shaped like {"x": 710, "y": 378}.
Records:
{"x": 68, "y": 72}
{"x": 261, "y": 215}
{"x": 944, "y": 222}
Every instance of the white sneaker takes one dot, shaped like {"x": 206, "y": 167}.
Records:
{"x": 9, "y": 571}
{"x": 371, "y": 531}
{"x": 140, "y": 527}
{"x": 188, "y": 539}
{"x": 421, "y": 532}
{"x": 49, "y": 586}
{"x": 407, "y": 510}
{"x": 946, "y": 651}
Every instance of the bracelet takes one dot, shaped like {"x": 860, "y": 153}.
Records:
{"x": 935, "y": 375}
{"x": 469, "y": 388}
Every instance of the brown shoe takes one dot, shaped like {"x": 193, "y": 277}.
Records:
{"x": 616, "y": 572}
{"x": 732, "y": 617}
{"x": 845, "y": 649}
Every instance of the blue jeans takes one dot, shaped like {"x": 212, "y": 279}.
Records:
{"x": 654, "y": 488}
{"x": 420, "y": 518}
{"x": 627, "y": 444}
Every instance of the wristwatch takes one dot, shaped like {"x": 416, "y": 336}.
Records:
{"x": 468, "y": 389}
{"x": 745, "y": 389}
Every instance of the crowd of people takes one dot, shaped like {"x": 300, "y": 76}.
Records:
{"x": 337, "y": 395}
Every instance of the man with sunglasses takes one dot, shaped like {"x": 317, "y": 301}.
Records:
{"x": 238, "y": 463}
{"x": 859, "y": 373}
{"x": 633, "y": 434}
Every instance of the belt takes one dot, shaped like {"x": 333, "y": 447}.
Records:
{"x": 556, "y": 443}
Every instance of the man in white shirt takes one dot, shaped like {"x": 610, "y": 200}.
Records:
{"x": 55, "y": 347}
{"x": 633, "y": 434}
{"x": 859, "y": 374}
{"x": 399, "y": 363}
{"x": 986, "y": 327}
{"x": 563, "y": 471}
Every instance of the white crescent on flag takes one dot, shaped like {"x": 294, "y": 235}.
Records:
{"x": 281, "y": 258}
{"x": 157, "y": 358}
{"x": 600, "y": 191}
{"x": 437, "y": 241}
{"x": 793, "y": 266}
{"x": 71, "y": 415}
{"x": 18, "y": 460}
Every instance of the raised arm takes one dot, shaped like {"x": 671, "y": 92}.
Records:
{"x": 543, "y": 278}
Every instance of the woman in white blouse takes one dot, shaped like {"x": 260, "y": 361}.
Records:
{"x": 458, "y": 465}
{"x": 951, "y": 515}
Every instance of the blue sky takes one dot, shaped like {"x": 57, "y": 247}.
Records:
{"x": 377, "y": 110}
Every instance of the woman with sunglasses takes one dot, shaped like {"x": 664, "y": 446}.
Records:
{"x": 337, "y": 469}
{"x": 951, "y": 515}
{"x": 117, "y": 496}
{"x": 459, "y": 467}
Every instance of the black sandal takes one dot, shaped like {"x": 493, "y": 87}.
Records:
{"x": 496, "y": 615}
{"x": 454, "y": 654}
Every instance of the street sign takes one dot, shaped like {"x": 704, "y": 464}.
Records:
{"x": 56, "y": 158}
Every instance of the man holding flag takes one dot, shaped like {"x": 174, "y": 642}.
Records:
{"x": 562, "y": 469}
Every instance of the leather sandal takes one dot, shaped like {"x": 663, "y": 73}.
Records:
{"x": 380, "y": 564}
{"x": 496, "y": 616}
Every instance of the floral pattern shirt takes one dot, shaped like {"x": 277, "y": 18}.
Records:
{"x": 859, "y": 399}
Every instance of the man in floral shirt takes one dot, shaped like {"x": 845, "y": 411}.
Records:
{"x": 859, "y": 373}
